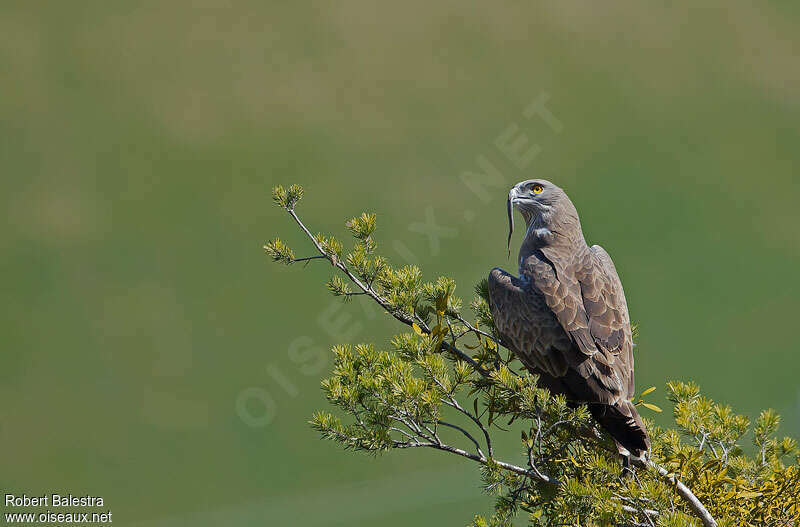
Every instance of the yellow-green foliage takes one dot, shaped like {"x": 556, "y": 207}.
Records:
{"x": 287, "y": 198}
{"x": 758, "y": 489}
{"x": 279, "y": 251}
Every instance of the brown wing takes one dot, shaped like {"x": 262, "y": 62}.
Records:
{"x": 527, "y": 325}
{"x": 619, "y": 317}
{"x": 583, "y": 293}
{"x": 530, "y": 328}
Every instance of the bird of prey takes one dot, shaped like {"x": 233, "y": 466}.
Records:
{"x": 565, "y": 317}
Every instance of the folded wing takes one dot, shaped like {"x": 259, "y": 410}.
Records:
{"x": 568, "y": 318}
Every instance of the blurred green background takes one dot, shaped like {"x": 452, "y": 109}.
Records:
{"x": 144, "y": 331}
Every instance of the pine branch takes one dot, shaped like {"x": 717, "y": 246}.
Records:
{"x": 369, "y": 291}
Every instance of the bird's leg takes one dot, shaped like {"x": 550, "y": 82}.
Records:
{"x": 627, "y": 468}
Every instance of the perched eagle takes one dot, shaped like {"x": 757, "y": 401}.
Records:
{"x": 566, "y": 317}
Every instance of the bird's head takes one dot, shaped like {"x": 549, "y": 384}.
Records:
{"x": 543, "y": 205}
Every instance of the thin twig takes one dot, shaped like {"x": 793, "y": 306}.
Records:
{"x": 476, "y": 330}
{"x": 453, "y": 403}
{"x": 395, "y": 429}
{"x": 467, "y": 434}
{"x": 308, "y": 258}
{"x": 482, "y": 460}
{"x": 532, "y": 465}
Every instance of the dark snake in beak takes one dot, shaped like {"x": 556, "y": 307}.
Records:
{"x": 510, "y": 207}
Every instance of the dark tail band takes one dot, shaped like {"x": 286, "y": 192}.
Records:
{"x": 624, "y": 424}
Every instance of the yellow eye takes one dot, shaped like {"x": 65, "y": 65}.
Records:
{"x": 537, "y": 189}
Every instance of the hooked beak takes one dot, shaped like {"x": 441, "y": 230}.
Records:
{"x": 510, "y": 207}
